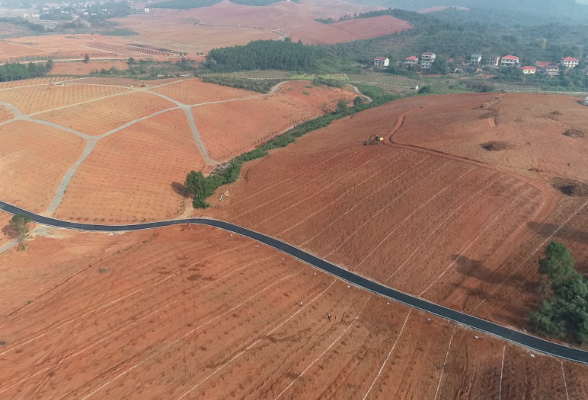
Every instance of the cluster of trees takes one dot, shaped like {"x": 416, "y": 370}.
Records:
{"x": 261, "y": 86}
{"x": 267, "y": 54}
{"x": 36, "y": 28}
{"x": 563, "y": 292}
{"x": 19, "y": 224}
{"x": 14, "y": 72}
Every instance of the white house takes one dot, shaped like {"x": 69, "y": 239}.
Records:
{"x": 529, "y": 70}
{"x": 570, "y": 62}
{"x": 551, "y": 70}
{"x": 427, "y": 60}
{"x": 412, "y": 60}
{"x": 475, "y": 59}
{"x": 509, "y": 61}
{"x": 492, "y": 61}
{"x": 146, "y": 10}
{"x": 381, "y": 62}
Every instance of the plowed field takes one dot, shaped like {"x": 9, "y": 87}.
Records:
{"x": 135, "y": 174}
{"x": 101, "y": 116}
{"x": 200, "y": 313}
{"x": 231, "y": 128}
{"x": 37, "y": 99}
{"x": 194, "y": 91}
{"x": 453, "y": 231}
{"x": 33, "y": 161}
{"x": 80, "y": 68}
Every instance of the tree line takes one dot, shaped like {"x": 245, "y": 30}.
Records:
{"x": 17, "y": 71}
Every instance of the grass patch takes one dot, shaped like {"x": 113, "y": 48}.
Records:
{"x": 570, "y": 187}
{"x": 496, "y": 146}
{"x": 102, "y": 270}
{"x": 371, "y": 91}
{"x": 575, "y": 133}
{"x": 2, "y": 343}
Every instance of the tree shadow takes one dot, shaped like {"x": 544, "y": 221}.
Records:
{"x": 477, "y": 270}
{"x": 9, "y": 232}
{"x": 567, "y": 233}
{"x": 180, "y": 189}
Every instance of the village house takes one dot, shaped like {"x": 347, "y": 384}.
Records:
{"x": 475, "y": 60}
{"x": 381, "y": 62}
{"x": 412, "y": 60}
{"x": 492, "y": 61}
{"x": 529, "y": 70}
{"x": 551, "y": 70}
{"x": 427, "y": 60}
{"x": 570, "y": 62}
{"x": 509, "y": 61}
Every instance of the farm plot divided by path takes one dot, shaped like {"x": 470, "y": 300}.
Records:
{"x": 231, "y": 128}
{"x": 102, "y": 116}
{"x": 194, "y": 91}
{"x": 33, "y": 161}
{"x": 199, "y": 313}
{"x": 29, "y": 100}
{"x": 136, "y": 174}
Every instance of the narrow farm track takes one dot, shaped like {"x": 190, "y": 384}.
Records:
{"x": 511, "y": 335}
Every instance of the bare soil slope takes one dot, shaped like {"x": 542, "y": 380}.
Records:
{"x": 197, "y": 313}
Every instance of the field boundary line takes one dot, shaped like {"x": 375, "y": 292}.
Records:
{"x": 532, "y": 254}
{"x": 387, "y": 357}
{"x": 324, "y": 352}
{"x": 439, "y": 226}
{"x": 504, "y": 211}
{"x": 122, "y": 329}
{"x": 410, "y": 216}
{"x": 184, "y": 336}
{"x": 363, "y": 201}
{"x": 320, "y": 191}
{"x": 563, "y": 372}
{"x": 445, "y": 363}
{"x": 501, "y": 373}
{"x": 256, "y": 342}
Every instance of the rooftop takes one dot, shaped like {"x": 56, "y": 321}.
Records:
{"x": 509, "y": 57}
{"x": 570, "y": 59}
{"x": 381, "y": 58}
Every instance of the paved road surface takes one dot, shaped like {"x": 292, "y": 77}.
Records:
{"x": 511, "y": 335}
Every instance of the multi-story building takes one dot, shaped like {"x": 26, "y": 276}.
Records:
{"x": 509, "y": 61}
{"x": 570, "y": 62}
{"x": 412, "y": 60}
{"x": 427, "y": 60}
{"x": 529, "y": 70}
{"x": 475, "y": 60}
{"x": 381, "y": 62}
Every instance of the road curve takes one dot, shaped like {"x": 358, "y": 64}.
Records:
{"x": 511, "y": 335}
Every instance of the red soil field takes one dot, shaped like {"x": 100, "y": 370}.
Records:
{"x": 33, "y": 82}
{"x": 101, "y": 116}
{"x": 533, "y": 126}
{"x": 194, "y": 91}
{"x": 126, "y": 81}
{"x": 199, "y": 313}
{"x": 6, "y": 232}
{"x": 136, "y": 174}
{"x": 33, "y": 161}
{"x": 37, "y": 99}
{"x": 457, "y": 232}
{"x": 185, "y": 36}
{"x": 5, "y": 114}
{"x": 296, "y": 19}
{"x": 80, "y": 68}
{"x": 66, "y": 45}
{"x": 231, "y": 128}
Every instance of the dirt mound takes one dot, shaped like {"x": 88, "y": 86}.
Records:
{"x": 571, "y": 187}
{"x": 575, "y": 133}
{"x": 496, "y": 146}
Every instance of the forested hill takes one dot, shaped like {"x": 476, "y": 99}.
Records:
{"x": 523, "y": 12}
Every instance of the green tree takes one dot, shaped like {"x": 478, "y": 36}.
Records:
{"x": 341, "y": 106}
{"x": 358, "y": 101}
{"x": 195, "y": 183}
{"x": 49, "y": 65}
{"x": 558, "y": 263}
{"x": 131, "y": 61}
{"x": 86, "y": 58}
{"x": 20, "y": 225}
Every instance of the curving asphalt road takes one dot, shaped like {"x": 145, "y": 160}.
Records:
{"x": 523, "y": 339}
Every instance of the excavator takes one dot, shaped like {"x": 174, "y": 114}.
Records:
{"x": 374, "y": 139}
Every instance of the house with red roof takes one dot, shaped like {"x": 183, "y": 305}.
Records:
{"x": 509, "y": 61}
{"x": 570, "y": 62}
{"x": 529, "y": 70}
{"x": 412, "y": 60}
{"x": 381, "y": 62}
